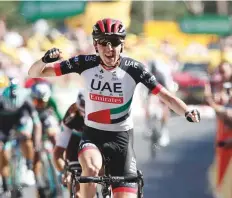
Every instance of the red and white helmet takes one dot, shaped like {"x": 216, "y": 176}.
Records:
{"x": 108, "y": 27}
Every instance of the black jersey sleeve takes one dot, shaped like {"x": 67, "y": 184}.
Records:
{"x": 140, "y": 74}
{"x": 76, "y": 64}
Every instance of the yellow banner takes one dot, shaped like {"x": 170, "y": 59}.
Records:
{"x": 170, "y": 30}
{"x": 99, "y": 10}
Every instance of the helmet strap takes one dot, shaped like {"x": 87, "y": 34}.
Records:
{"x": 95, "y": 45}
{"x": 122, "y": 48}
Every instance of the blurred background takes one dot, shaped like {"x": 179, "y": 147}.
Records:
{"x": 190, "y": 38}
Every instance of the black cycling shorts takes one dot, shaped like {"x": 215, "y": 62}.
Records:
{"x": 71, "y": 154}
{"x": 72, "y": 148}
{"x": 117, "y": 151}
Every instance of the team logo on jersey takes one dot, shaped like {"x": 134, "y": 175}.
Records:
{"x": 69, "y": 64}
{"x": 90, "y": 58}
{"x": 111, "y": 116}
{"x": 131, "y": 63}
{"x": 102, "y": 86}
{"x": 106, "y": 99}
{"x": 151, "y": 79}
{"x": 114, "y": 76}
{"x": 76, "y": 59}
{"x": 145, "y": 73}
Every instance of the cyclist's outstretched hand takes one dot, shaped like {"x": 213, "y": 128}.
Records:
{"x": 52, "y": 55}
{"x": 193, "y": 116}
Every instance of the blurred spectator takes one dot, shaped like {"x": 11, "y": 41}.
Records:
{"x": 2, "y": 27}
{"x": 225, "y": 70}
{"x": 224, "y": 109}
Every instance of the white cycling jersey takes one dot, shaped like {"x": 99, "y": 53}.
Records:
{"x": 108, "y": 93}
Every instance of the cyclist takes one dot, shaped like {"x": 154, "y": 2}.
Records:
{"x": 51, "y": 102}
{"x": 17, "y": 113}
{"x": 31, "y": 81}
{"x": 110, "y": 83}
{"x": 70, "y": 137}
{"x": 162, "y": 72}
{"x": 40, "y": 94}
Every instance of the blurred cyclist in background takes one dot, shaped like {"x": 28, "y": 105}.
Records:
{"x": 40, "y": 94}
{"x": 17, "y": 113}
{"x": 68, "y": 140}
{"x": 30, "y": 82}
{"x": 163, "y": 75}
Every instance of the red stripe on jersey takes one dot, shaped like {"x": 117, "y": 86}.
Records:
{"x": 57, "y": 69}
{"x": 157, "y": 89}
{"x": 125, "y": 189}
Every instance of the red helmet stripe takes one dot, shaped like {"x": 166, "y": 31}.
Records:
{"x": 116, "y": 26}
{"x": 101, "y": 25}
{"x": 108, "y": 24}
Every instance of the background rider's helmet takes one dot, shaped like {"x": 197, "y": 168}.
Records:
{"x": 108, "y": 27}
{"x": 81, "y": 101}
{"x": 41, "y": 92}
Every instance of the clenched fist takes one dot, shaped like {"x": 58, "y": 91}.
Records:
{"x": 193, "y": 116}
{"x": 52, "y": 55}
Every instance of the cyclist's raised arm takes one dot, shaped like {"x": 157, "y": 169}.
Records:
{"x": 41, "y": 69}
{"x": 49, "y": 65}
{"x": 167, "y": 97}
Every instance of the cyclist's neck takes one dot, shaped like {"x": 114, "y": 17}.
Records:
{"x": 106, "y": 67}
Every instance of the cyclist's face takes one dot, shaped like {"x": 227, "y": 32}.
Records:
{"x": 225, "y": 71}
{"x": 39, "y": 104}
{"x": 109, "y": 50}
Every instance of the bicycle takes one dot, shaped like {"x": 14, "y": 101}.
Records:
{"x": 51, "y": 185}
{"x": 16, "y": 161}
{"x": 105, "y": 181}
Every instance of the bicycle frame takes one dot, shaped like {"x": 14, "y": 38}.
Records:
{"x": 51, "y": 179}
{"x": 15, "y": 161}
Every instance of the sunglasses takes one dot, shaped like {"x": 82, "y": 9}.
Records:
{"x": 114, "y": 42}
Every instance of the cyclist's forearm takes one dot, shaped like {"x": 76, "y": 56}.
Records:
{"x": 178, "y": 106}
{"x": 58, "y": 159}
{"x": 174, "y": 103}
{"x": 59, "y": 164}
{"x": 41, "y": 69}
